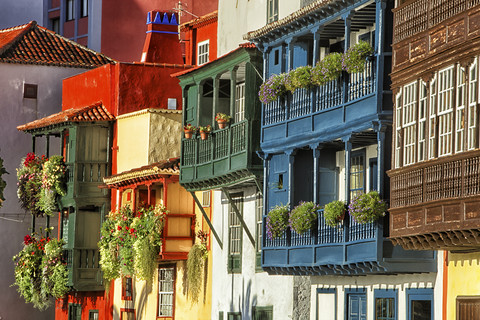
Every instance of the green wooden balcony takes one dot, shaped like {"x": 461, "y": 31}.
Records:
{"x": 83, "y": 268}
{"x": 226, "y": 157}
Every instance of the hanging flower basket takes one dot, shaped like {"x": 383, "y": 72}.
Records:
{"x": 334, "y": 213}
{"x": 367, "y": 207}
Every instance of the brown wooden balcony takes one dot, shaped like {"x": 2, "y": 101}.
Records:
{"x": 436, "y": 204}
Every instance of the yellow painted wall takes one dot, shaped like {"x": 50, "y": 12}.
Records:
{"x": 132, "y": 141}
{"x": 463, "y": 278}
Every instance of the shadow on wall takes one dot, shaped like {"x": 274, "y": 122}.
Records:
{"x": 246, "y": 302}
{"x": 142, "y": 298}
{"x": 464, "y": 259}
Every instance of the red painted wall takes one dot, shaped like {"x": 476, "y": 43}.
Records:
{"x": 95, "y": 300}
{"x": 198, "y": 33}
{"x": 124, "y": 26}
{"x": 208, "y": 32}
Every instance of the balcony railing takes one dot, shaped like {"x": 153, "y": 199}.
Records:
{"x": 417, "y": 16}
{"x": 455, "y": 176}
{"x": 324, "y": 234}
{"x": 83, "y": 268}
{"x": 302, "y": 102}
{"x": 220, "y": 144}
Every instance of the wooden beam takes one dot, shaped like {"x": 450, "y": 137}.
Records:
{"x": 239, "y": 216}
{"x": 207, "y": 219}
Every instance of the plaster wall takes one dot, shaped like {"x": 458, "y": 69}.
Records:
{"x": 236, "y": 18}
{"x": 463, "y": 276}
{"x": 157, "y": 137}
{"x": 14, "y": 145}
{"x": 371, "y": 282}
{"x": 240, "y": 292}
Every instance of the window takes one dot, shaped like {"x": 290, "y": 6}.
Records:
{"x": 272, "y": 10}
{"x": 276, "y": 59}
{"x": 84, "y": 8}
{"x": 220, "y": 315}
{"x": 432, "y": 119}
{"x": 235, "y": 235}
{"x": 385, "y": 304}
{"x": 93, "y": 315}
{"x": 30, "y": 91}
{"x": 127, "y": 314}
{"x": 55, "y": 25}
{"x": 472, "y": 106}
{"x": 357, "y": 173}
{"x": 460, "y": 115}
{"x": 240, "y": 102}
{"x": 398, "y": 129}
{"x": 70, "y": 10}
{"x": 74, "y": 311}
{"x": 422, "y": 121}
{"x": 356, "y": 304}
{"x": 445, "y": 111}
{"x": 258, "y": 242}
{"x": 166, "y": 290}
{"x": 234, "y": 316}
{"x": 127, "y": 288}
{"x": 420, "y": 304}
{"x": 409, "y": 122}
{"x": 263, "y": 313}
{"x": 326, "y": 304}
{"x": 203, "y": 49}
{"x": 206, "y": 198}
{"x": 468, "y": 307}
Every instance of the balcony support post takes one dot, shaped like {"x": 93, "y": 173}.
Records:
{"x": 199, "y": 102}
{"x": 290, "y": 52}
{"x": 216, "y": 90}
{"x": 348, "y": 154}
{"x": 239, "y": 216}
{"x": 233, "y": 89}
{"x": 316, "y": 159}
{"x": 33, "y": 143}
{"x": 381, "y": 132}
{"x": 207, "y": 219}
{"x": 316, "y": 44}
{"x": 47, "y": 145}
{"x": 380, "y": 10}
{"x": 347, "y": 17}
{"x": 290, "y": 190}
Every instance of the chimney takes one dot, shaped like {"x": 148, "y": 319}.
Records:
{"x": 162, "y": 44}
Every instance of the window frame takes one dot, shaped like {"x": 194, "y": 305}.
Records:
{"x": 173, "y": 268}
{"x": 30, "y": 91}
{"x": 258, "y": 309}
{"x": 239, "y": 112}
{"x": 78, "y": 311}
{"x": 326, "y": 291}
{"x": 234, "y": 315}
{"x": 385, "y": 294}
{"x": 93, "y": 311}
{"x": 350, "y": 292}
{"x": 125, "y": 285}
{"x": 128, "y": 310}
{"x": 424, "y": 294}
{"x": 258, "y": 231}
{"x": 203, "y": 57}
{"x": 69, "y": 10}
{"x": 459, "y": 299}
{"x": 460, "y": 108}
{"x": 83, "y": 8}
{"x": 356, "y": 154}
{"x": 445, "y": 111}
{"x": 206, "y": 198}
{"x": 409, "y": 122}
{"x": 472, "y": 129}
{"x": 272, "y": 11}
{"x": 232, "y": 217}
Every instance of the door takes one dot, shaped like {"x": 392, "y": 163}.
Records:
{"x": 357, "y": 306}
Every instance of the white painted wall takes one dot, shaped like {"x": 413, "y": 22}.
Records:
{"x": 14, "y": 145}
{"x": 236, "y": 18}
{"x": 239, "y": 292}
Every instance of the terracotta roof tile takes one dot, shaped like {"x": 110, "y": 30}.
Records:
{"x": 314, "y": 6}
{"x": 32, "y": 44}
{"x": 246, "y": 45}
{"x": 200, "y": 21}
{"x": 96, "y": 112}
{"x": 146, "y": 173}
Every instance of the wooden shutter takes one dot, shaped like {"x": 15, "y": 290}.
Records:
{"x": 468, "y": 308}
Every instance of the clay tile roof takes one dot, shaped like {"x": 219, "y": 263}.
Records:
{"x": 96, "y": 112}
{"x": 146, "y": 173}
{"x": 246, "y": 45}
{"x": 200, "y": 21}
{"x": 32, "y": 44}
{"x": 316, "y": 5}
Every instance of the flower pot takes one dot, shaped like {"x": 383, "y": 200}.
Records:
{"x": 203, "y": 135}
{"x": 188, "y": 134}
{"x": 222, "y": 124}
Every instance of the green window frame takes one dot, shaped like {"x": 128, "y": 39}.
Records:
{"x": 235, "y": 235}
{"x": 263, "y": 313}
{"x": 93, "y": 315}
{"x": 259, "y": 231}
{"x": 74, "y": 311}
{"x": 234, "y": 316}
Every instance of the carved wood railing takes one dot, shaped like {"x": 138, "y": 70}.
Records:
{"x": 450, "y": 177}
{"x": 413, "y": 17}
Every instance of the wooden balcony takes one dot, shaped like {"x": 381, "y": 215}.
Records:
{"x": 436, "y": 204}
{"x": 227, "y": 156}
{"x": 178, "y": 236}
{"x": 349, "y": 250}
{"x": 325, "y": 110}
{"x": 83, "y": 180}
{"x": 83, "y": 268}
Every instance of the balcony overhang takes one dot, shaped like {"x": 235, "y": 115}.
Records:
{"x": 239, "y": 178}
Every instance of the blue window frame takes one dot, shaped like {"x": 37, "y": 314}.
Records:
{"x": 326, "y": 314}
{"x": 356, "y": 306}
{"x": 357, "y": 173}
{"x": 385, "y": 306}
{"x": 420, "y": 304}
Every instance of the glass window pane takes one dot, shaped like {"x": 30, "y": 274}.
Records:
{"x": 421, "y": 310}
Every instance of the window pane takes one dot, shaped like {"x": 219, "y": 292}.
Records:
{"x": 165, "y": 291}
{"x": 385, "y": 309}
{"x": 357, "y": 178}
{"x": 421, "y": 310}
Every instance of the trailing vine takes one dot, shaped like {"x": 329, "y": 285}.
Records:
{"x": 195, "y": 262}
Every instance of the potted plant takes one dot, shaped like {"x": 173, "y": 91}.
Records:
{"x": 367, "y": 207}
{"x": 303, "y": 216}
{"x": 354, "y": 59}
{"x": 299, "y": 78}
{"x": 327, "y": 70}
{"x": 222, "y": 120}
{"x": 334, "y": 213}
{"x": 204, "y": 131}
{"x": 277, "y": 221}
{"x": 189, "y": 130}
{"x": 273, "y": 88}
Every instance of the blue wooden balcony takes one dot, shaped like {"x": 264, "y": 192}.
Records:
{"x": 226, "y": 156}
{"x": 348, "y": 250}
{"x": 349, "y": 102}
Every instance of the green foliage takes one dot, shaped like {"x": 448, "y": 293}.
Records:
{"x": 3, "y": 184}
{"x": 303, "y": 216}
{"x": 130, "y": 243}
{"x": 195, "y": 262}
{"x": 367, "y": 207}
{"x": 334, "y": 213}
{"x": 53, "y": 184}
{"x": 29, "y": 176}
{"x": 273, "y": 88}
{"x": 39, "y": 271}
{"x": 277, "y": 221}
{"x": 354, "y": 59}
{"x": 327, "y": 69}
{"x": 299, "y": 78}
